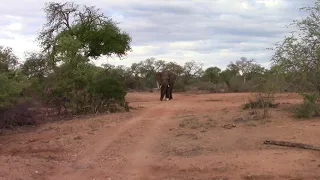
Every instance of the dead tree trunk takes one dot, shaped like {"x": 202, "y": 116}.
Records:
{"x": 290, "y": 144}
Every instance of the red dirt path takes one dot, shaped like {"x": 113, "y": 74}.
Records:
{"x": 171, "y": 140}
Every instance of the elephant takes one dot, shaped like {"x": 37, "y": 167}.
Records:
{"x": 165, "y": 82}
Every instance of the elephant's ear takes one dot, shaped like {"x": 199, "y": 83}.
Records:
{"x": 173, "y": 77}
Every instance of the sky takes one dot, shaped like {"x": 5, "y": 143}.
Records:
{"x": 210, "y": 32}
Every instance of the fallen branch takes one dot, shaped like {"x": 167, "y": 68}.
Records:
{"x": 290, "y": 144}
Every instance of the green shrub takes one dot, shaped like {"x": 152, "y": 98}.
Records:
{"x": 88, "y": 89}
{"x": 310, "y": 107}
{"x": 108, "y": 88}
{"x": 108, "y": 93}
{"x": 11, "y": 88}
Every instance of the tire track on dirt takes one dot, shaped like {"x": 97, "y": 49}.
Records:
{"x": 128, "y": 157}
{"x": 141, "y": 156}
{"x": 91, "y": 156}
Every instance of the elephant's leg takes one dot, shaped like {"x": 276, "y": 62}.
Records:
{"x": 162, "y": 91}
{"x": 170, "y": 91}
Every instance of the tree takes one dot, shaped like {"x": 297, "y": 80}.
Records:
{"x": 212, "y": 74}
{"x": 230, "y": 72}
{"x": 298, "y": 55}
{"x": 146, "y": 68}
{"x": 174, "y": 67}
{"x": 8, "y": 60}
{"x": 256, "y": 71}
{"x": 71, "y": 31}
{"x": 192, "y": 70}
{"x": 12, "y": 82}
{"x": 243, "y": 65}
{"x": 36, "y": 66}
{"x": 159, "y": 65}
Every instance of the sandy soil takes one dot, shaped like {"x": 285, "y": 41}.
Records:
{"x": 194, "y": 136}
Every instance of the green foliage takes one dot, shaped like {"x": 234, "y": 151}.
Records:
{"x": 298, "y": 56}
{"x": 8, "y": 60}
{"x": 71, "y": 31}
{"x": 36, "y": 66}
{"x": 108, "y": 88}
{"x": 174, "y": 67}
{"x": 12, "y": 82}
{"x": 141, "y": 76}
{"x": 67, "y": 45}
{"x": 180, "y": 86}
{"x": 297, "y": 60}
{"x": 192, "y": 71}
{"x": 89, "y": 88}
{"x": 211, "y": 74}
{"x": 10, "y": 91}
{"x": 236, "y": 84}
{"x": 62, "y": 75}
{"x": 106, "y": 91}
{"x": 227, "y": 74}
{"x": 310, "y": 107}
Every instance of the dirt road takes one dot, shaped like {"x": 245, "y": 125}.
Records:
{"x": 194, "y": 136}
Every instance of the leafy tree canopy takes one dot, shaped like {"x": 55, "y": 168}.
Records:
{"x": 212, "y": 74}
{"x": 72, "y": 30}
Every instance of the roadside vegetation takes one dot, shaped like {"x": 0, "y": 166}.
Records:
{"x": 62, "y": 79}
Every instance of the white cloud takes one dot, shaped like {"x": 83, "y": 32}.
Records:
{"x": 12, "y": 17}
{"x": 20, "y": 44}
{"x": 183, "y": 44}
{"x": 271, "y": 3}
{"x": 213, "y": 32}
{"x": 143, "y": 50}
{"x": 17, "y": 26}
{"x": 245, "y": 5}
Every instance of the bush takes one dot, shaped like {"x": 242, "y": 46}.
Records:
{"x": 310, "y": 107}
{"x": 261, "y": 101}
{"x": 108, "y": 94}
{"x": 236, "y": 84}
{"x": 11, "y": 89}
{"x": 179, "y": 86}
{"x": 208, "y": 86}
{"x": 88, "y": 89}
{"x": 109, "y": 88}
{"x": 17, "y": 115}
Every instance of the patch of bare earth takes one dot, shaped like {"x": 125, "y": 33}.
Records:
{"x": 194, "y": 136}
